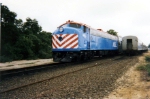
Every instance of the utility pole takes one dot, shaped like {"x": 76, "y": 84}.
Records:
{"x": 0, "y": 32}
{"x": 0, "y": 37}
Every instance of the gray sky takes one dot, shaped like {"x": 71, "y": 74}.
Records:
{"x": 127, "y": 17}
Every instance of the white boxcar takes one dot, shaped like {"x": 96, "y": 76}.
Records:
{"x": 131, "y": 44}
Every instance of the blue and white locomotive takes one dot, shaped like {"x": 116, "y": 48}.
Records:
{"x": 73, "y": 41}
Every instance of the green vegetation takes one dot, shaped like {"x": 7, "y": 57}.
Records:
{"x": 147, "y": 58}
{"x": 141, "y": 67}
{"x": 145, "y": 67}
{"x": 112, "y": 32}
{"x": 22, "y": 40}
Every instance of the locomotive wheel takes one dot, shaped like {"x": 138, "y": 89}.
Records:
{"x": 91, "y": 55}
{"x": 79, "y": 58}
{"x": 83, "y": 58}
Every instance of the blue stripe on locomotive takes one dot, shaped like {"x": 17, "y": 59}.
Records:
{"x": 101, "y": 43}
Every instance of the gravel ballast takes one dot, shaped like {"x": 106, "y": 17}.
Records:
{"x": 95, "y": 82}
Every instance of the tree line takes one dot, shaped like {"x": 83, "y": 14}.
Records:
{"x": 22, "y": 40}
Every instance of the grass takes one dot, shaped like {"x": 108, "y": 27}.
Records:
{"x": 26, "y": 63}
{"x": 30, "y": 63}
{"x": 145, "y": 67}
{"x": 9, "y": 65}
{"x": 141, "y": 67}
{"x": 147, "y": 58}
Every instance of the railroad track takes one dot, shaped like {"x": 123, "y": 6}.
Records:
{"x": 107, "y": 61}
{"x": 13, "y": 72}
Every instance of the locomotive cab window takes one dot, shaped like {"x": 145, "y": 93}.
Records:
{"x": 75, "y": 25}
{"x": 84, "y": 29}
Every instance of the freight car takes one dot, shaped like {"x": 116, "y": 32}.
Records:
{"x": 73, "y": 41}
{"x": 132, "y": 45}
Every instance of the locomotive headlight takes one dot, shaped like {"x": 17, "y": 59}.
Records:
{"x": 61, "y": 29}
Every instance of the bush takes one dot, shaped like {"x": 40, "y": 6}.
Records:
{"x": 144, "y": 68}
{"x": 26, "y": 40}
{"x": 141, "y": 67}
{"x": 147, "y": 68}
{"x": 147, "y": 58}
{"x": 5, "y": 59}
{"x": 44, "y": 54}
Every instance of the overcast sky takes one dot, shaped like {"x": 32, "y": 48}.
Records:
{"x": 127, "y": 17}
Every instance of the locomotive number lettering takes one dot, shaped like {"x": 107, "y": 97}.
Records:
{"x": 114, "y": 44}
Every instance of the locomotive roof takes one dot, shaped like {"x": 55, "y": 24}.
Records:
{"x": 94, "y": 31}
{"x": 67, "y": 22}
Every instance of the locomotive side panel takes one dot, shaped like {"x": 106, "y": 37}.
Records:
{"x": 84, "y": 41}
{"x": 102, "y": 41}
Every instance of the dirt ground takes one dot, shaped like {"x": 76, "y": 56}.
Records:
{"x": 132, "y": 84}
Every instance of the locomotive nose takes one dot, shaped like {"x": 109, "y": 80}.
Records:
{"x": 65, "y": 41}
